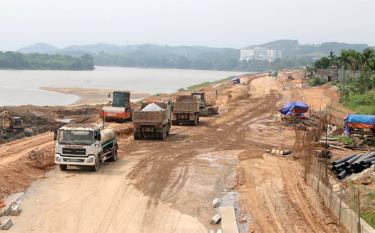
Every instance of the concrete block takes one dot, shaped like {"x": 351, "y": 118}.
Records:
{"x": 215, "y": 219}
{"x": 273, "y": 151}
{"x": 277, "y": 151}
{"x": 15, "y": 209}
{"x": 6, "y": 211}
{"x": 216, "y": 202}
{"x": 281, "y": 152}
{"x": 219, "y": 231}
{"x": 5, "y": 225}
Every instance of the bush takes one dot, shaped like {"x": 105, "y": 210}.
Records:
{"x": 361, "y": 103}
{"x": 316, "y": 81}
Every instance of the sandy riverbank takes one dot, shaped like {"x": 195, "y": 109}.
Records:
{"x": 91, "y": 95}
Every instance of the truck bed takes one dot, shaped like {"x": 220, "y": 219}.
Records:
{"x": 186, "y": 107}
{"x": 150, "y": 117}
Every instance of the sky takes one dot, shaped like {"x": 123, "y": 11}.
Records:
{"x": 215, "y": 23}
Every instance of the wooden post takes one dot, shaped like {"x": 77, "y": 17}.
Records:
{"x": 320, "y": 168}
{"x": 359, "y": 211}
{"x": 340, "y": 204}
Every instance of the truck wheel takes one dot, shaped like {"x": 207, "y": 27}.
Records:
{"x": 63, "y": 167}
{"x": 198, "y": 118}
{"x": 163, "y": 134}
{"x": 97, "y": 164}
{"x": 136, "y": 135}
{"x": 114, "y": 155}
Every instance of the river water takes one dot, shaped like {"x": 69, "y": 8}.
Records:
{"x": 23, "y": 87}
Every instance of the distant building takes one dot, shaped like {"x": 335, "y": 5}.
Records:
{"x": 260, "y": 53}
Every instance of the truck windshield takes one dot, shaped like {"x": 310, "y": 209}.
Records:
{"x": 76, "y": 137}
{"x": 120, "y": 99}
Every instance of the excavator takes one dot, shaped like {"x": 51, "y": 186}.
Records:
{"x": 10, "y": 124}
{"x": 120, "y": 109}
{"x": 205, "y": 109}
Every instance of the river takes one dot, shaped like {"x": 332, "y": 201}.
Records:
{"x": 19, "y": 87}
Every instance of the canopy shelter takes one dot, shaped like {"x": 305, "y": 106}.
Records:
{"x": 356, "y": 121}
{"x": 294, "y": 108}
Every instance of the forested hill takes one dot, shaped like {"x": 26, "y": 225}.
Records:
{"x": 34, "y": 61}
{"x": 294, "y": 55}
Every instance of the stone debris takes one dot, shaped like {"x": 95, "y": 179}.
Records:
{"x": 215, "y": 219}
{"x": 5, "y": 225}
{"x": 219, "y": 231}
{"x": 279, "y": 151}
{"x": 216, "y": 202}
{"x": 15, "y": 209}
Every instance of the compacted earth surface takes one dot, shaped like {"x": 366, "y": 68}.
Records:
{"x": 168, "y": 186}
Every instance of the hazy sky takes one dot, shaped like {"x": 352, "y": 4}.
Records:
{"x": 219, "y": 23}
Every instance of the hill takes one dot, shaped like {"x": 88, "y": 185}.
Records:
{"x": 292, "y": 48}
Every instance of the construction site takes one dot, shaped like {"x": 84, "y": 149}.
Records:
{"x": 261, "y": 153}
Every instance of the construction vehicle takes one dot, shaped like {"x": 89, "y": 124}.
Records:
{"x": 204, "y": 108}
{"x": 185, "y": 110}
{"x": 10, "y": 124}
{"x": 120, "y": 109}
{"x": 152, "y": 120}
{"x": 84, "y": 145}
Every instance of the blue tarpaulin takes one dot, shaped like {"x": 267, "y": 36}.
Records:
{"x": 364, "y": 119}
{"x": 294, "y": 108}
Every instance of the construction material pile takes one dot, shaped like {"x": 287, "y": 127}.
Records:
{"x": 152, "y": 107}
{"x": 353, "y": 164}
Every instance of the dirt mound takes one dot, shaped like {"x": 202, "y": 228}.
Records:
{"x": 18, "y": 175}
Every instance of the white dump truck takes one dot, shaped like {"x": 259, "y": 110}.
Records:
{"x": 84, "y": 145}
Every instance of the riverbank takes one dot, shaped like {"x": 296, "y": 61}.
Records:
{"x": 90, "y": 96}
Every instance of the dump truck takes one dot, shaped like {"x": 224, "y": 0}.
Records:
{"x": 120, "y": 109}
{"x": 185, "y": 110}
{"x": 86, "y": 145}
{"x": 152, "y": 120}
{"x": 205, "y": 109}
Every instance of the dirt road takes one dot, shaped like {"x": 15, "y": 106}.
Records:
{"x": 168, "y": 186}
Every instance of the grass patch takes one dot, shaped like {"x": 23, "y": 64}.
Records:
{"x": 346, "y": 140}
{"x": 316, "y": 81}
{"x": 361, "y": 103}
{"x": 198, "y": 86}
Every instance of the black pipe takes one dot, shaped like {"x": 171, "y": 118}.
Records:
{"x": 350, "y": 161}
{"x": 357, "y": 165}
{"x": 342, "y": 175}
{"x": 367, "y": 161}
{"x": 343, "y": 160}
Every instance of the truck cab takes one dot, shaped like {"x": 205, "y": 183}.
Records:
{"x": 84, "y": 145}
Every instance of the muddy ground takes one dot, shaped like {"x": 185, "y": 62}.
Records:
{"x": 168, "y": 186}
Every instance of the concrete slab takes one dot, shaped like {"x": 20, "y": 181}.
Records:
{"x": 228, "y": 222}
{"x": 6, "y": 224}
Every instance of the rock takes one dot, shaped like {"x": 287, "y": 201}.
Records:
{"x": 287, "y": 152}
{"x": 8, "y": 223}
{"x": 273, "y": 151}
{"x": 216, "y": 202}
{"x": 6, "y": 211}
{"x": 215, "y": 219}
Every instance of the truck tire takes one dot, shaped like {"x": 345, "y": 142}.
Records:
{"x": 63, "y": 167}
{"x": 137, "y": 135}
{"x": 163, "y": 134}
{"x": 114, "y": 154}
{"x": 97, "y": 164}
{"x": 195, "y": 122}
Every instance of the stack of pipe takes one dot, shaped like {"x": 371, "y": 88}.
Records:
{"x": 353, "y": 164}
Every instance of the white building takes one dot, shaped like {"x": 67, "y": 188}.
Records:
{"x": 260, "y": 53}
